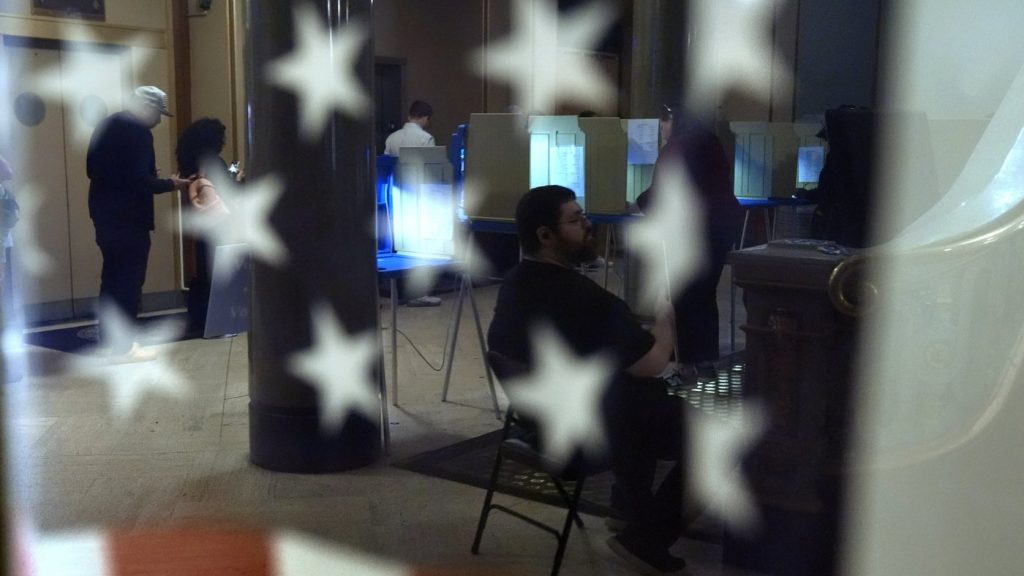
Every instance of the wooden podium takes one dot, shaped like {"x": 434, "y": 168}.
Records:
{"x": 801, "y": 346}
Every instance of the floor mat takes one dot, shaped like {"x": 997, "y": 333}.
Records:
{"x": 78, "y": 338}
{"x": 472, "y": 461}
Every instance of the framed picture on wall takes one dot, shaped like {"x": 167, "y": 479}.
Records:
{"x": 84, "y": 9}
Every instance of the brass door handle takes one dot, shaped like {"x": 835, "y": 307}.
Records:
{"x": 848, "y": 289}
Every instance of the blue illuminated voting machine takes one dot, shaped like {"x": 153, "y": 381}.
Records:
{"x": 416, "y": 231}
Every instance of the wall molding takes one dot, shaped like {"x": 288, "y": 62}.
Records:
{"x": 60, "y": 29}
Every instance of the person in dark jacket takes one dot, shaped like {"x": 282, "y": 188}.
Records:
{"x": 121, "y": 165}
{"x": 692, "y": 145}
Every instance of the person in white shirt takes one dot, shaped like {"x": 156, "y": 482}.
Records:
{"x": 414, "y": 132}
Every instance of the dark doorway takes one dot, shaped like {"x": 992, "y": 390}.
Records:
{"x": 389, "y": 98}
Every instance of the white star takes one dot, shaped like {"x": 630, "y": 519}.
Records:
{"x": 733, "y": 49}
{"x": 249, "y": 221}
{"x": 563, "y": 394}
{"x": 34, "y": 259}
{"x": 717, "y": 447}
{"x": 474, "y": 261}
{"x": 531, "y": 62}
{"x": 70, "y": 82}
{"x": 421, "y": 279}
{"x": 670, "y": 236}
{"x": 339, "y": 367}
{"x": 128, "y": 383}
{"x": 319, "y": 70}
{"x": 296, "y": 553}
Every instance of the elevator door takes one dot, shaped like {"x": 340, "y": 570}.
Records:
{"x": 49, "y": 141}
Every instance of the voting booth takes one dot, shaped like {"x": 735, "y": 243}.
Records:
{"x": 385, "y": 182}
{"x": 776, "y": 158}
{"x": 423, "y": 202}
{"x": 606, "y": 161}
{"x": 643, "y": 145}
{"x": 605, "y": 165}
{"x": 497, "y": 162}
{"x": 558, "y": 154}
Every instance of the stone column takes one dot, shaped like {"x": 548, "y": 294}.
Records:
{"x": 324, "y": 218}
{"x": 658, "y": 55}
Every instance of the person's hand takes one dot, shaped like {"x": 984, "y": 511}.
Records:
{"x": 181, "y": 183}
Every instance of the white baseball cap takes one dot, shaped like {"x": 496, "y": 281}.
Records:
{"x": 154, "y": 97}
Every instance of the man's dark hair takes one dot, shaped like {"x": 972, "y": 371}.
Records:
{"x": 420, "y": 109}
{"x": 203, "y": 138}
{"x": 541, "y": 206}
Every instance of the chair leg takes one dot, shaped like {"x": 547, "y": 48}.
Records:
{"x": 568, "y": 499}
{"x": 487, "y": 504}
{"x": 564, "y": 538}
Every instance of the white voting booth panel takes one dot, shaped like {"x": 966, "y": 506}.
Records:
{"x": 557, "y": 154}
{"x": 752, "y": 175}
{"x": 497, "y": 165}
{"x": 775, "y": 158}
{"x": 643, "y": 138}
{"x": 605, "y": 161}
{"x": 424, "y": 202}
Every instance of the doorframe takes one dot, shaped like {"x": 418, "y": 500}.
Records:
{"x": 401, "y": 64}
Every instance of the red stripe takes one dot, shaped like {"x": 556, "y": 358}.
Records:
{"x": 190, "y": 552}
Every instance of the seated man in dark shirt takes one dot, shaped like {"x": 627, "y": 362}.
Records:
{"x": 642, "y": 423}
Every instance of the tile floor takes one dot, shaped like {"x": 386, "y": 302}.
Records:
{"x": 72, "y": 466}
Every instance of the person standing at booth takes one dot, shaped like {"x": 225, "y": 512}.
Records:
{"x": 121, "y": 166}
{"x": 414, "y": 132}
{"x": 690, "y": 144}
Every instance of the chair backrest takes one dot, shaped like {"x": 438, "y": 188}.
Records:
{"x": 504, "y": 367}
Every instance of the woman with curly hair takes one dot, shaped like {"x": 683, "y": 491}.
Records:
{"x": 198, "y": 153}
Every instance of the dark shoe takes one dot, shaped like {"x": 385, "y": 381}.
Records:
{"x": 683, "y": 377}
{"x": 706, "y": 371}
{"x": 645, "y": 558}
{"x": 615, "y": 524}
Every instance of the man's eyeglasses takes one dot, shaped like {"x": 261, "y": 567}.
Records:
{"x": 577, "y": 220}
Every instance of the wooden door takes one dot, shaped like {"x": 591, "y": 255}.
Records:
{"x": 37, "y": 155}
{"x": 50, "y": 139}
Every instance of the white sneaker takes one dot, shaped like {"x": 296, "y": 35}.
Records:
{"x": 424, "y": 301}
{"x": 136, "y": 354}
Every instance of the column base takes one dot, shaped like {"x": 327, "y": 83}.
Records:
{"x": 290, "y": 440}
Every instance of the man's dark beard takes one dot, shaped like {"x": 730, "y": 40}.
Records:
{"x": 584, "y": 254}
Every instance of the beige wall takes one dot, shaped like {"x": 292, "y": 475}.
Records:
{"x": 435, "y": 40}
{"x": 143, "y": 27}
{"x": 218, "y": 87}
{"x": 138, "y": 14}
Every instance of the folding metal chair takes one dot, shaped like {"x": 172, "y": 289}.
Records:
{"x": 514, "y": 447}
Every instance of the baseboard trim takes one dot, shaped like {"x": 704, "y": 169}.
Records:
{"x": 85, "y": 308}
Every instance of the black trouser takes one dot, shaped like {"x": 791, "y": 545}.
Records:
{"x": 198, "y": 300}
{"x": 125, "y": 255}
{"x": 697, "y": 306}
{"x": 645, "y": 425}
